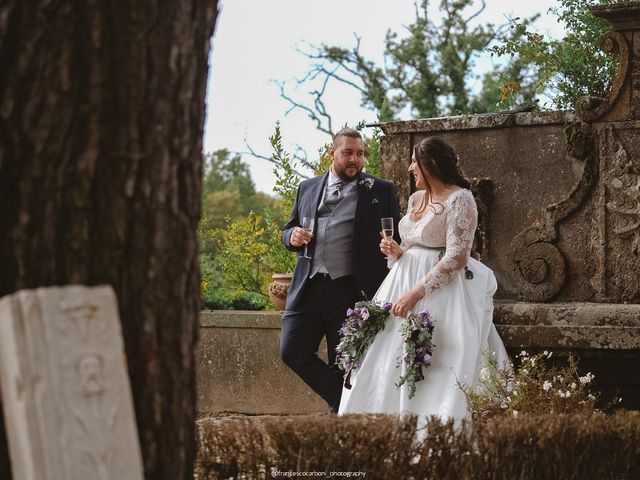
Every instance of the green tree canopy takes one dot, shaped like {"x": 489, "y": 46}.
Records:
{"x": 429, "y": 69}
{"x": 568, "y": 68}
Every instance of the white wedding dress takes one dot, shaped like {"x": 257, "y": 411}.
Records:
{"x": 462, "y": 309}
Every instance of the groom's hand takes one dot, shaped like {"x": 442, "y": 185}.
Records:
{"x": 404, "y": 305}
{"x": 300, "y": 237}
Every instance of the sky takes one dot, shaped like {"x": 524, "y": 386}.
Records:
{"x": 256, "y": 42}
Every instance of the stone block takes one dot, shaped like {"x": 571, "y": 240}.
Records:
{"x": 238, "y": 367}
{"x": 66, "y": 395}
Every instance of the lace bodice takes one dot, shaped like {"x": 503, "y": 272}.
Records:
{"x": 454, "y": 228}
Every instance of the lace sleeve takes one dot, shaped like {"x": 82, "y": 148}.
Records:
{"x": 403, "y": 244}
{"x": 461, "y": 222}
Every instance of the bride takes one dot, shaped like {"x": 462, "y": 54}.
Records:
{"x": 431, "y": 270}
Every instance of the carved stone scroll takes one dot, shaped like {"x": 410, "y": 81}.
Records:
{"x": 65, "y": 390}
{"x": 592, "y": 108}
{"x": 537, "y": 266}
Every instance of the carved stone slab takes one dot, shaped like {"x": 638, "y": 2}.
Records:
{"x": 65, "y": 389}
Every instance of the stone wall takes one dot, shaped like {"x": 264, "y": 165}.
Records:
{"x": 520, "y": 157}
{"x": 239, "y": 368}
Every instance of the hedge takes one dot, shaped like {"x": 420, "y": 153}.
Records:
{"x": 587, "y": 446}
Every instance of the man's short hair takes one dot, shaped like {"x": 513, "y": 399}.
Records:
{"x": 346, "y": 132}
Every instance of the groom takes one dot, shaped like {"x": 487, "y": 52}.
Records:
{"x": 345, "y": 265}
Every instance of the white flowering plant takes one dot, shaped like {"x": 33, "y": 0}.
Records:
{"x": 533, "y": 387}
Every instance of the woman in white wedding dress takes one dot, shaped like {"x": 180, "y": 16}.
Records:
{"x": 454, "y": 287}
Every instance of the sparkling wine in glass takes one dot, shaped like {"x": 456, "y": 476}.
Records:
{"x": 307, "y": 226}
{"x": 387, "y": 228}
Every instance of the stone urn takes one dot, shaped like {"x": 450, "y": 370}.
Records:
{"x": 278, "y": 289}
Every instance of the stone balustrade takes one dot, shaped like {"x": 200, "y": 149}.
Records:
{"x": 239, "y": 367}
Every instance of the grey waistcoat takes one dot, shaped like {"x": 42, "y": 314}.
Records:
{"x": 334, "y": 237}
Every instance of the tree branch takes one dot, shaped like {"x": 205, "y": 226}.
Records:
{"x": 303, "y": 160}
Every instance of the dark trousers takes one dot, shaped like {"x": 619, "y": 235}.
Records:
{"x": 319, "y": 314}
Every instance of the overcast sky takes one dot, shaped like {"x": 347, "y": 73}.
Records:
{"x": 255, "y": 43}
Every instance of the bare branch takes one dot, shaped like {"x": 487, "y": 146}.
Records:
{"x": 251, "y": 152}
{"x": 316, "y": 116}
{"x": 480, "y": 10}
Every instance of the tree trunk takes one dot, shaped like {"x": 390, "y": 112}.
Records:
{"x": 101, "y": 123}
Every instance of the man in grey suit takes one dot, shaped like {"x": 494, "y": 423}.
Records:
{"x": 345, "y": 263}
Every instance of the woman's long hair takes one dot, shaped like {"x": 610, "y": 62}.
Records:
{"x": 437, "y": 157}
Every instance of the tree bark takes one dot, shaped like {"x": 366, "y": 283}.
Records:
{"x": 101, "y": 123}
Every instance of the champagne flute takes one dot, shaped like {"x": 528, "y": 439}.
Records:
{"x": 307, "y": 226}
{"x": 387, "y": 229}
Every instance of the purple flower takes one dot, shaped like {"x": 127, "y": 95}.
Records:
{"x": 405, "y": 357}
{"x": 425, "y": 318}
{"x": 364, "y": 313}
{"x": 350, "y": 312}
{"x": 427, "y": 359}
{"x": 387, "y": 306}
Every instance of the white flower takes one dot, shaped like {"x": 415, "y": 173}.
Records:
{"x": 523, "y": 354}
{"x": 587, "y": 378}
{"x": 515, "y": 413}
{"x": 484, "y": 373}
{"x": 546, "y": 385}
{"x": 573, "y": 385}
{"x": 367, "y": 182}
{"x": 525, "y": 371}
{"x": 591, "y": 396}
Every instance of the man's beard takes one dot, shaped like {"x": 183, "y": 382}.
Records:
{"x": 346, "y": 178}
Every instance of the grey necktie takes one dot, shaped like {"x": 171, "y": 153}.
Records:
{"x": 333, "y": 199}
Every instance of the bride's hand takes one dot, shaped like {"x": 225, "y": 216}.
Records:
{"x": 390, "y": 247}
{"x": 405, "y": 303}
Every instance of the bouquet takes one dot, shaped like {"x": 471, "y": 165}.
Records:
{"x": 417, "y": 334}
{"x": 357, "y": 332}
{"x": 363, "y": 324}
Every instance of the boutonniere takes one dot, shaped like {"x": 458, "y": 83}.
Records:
{"x": 367, "y": 182}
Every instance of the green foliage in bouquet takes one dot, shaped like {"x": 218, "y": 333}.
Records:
{"x": 417, "y": 336}
{"x": 358, "y": 331}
